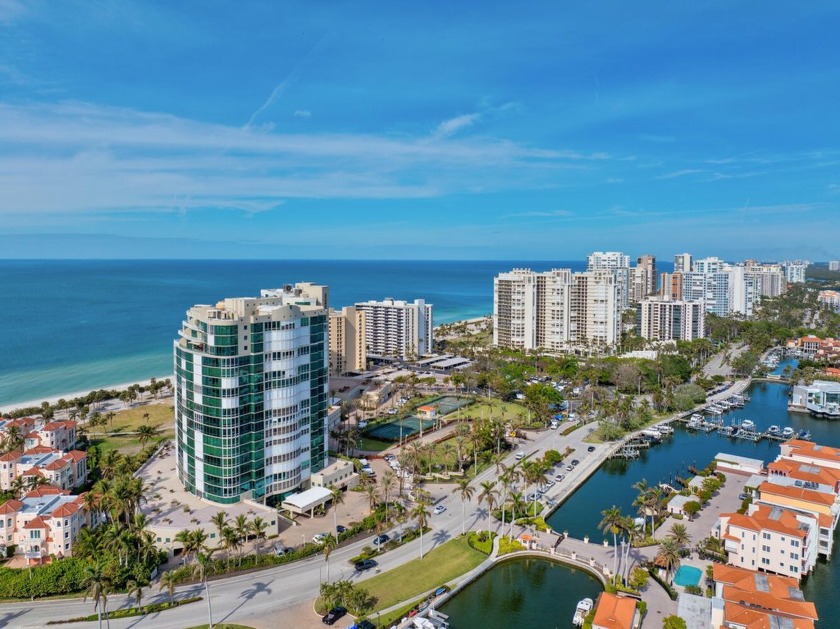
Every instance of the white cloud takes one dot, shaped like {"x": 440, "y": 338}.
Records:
{"x": 302, "y": 113}
{"x": 453, "y": 125}
{"x": 77, "y": 157}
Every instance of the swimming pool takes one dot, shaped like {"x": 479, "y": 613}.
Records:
{"x": 688, "y": 575}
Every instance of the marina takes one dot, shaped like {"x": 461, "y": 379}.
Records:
{"x": 670, "y": 461}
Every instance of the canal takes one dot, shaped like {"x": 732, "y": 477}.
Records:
{"x": 612, "y": 483}
{"x": 524, "y": 592}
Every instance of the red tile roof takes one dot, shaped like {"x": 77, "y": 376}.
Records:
{"x": 614, "y": 612}
{"x": 37, "y": 523}
{"x": 799, "y": 493}
{"x": 10, "y": 506}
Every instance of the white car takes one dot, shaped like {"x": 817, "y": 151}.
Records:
{"x": 319, "y": 538}
{"x": 439, "y": 509}
{"x": 520, "y": 455}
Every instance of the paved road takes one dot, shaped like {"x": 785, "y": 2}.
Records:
{"x": 262, "y": 593}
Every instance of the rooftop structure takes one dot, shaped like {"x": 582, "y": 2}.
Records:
{"x": 614, "y": 612}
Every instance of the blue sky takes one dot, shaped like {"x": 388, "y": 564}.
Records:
{"x": 475, "y": 130}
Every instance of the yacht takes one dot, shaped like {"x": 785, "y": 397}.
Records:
{"x": 665, "y": 429}
{"x": 774, "y": 430}
{"x": 748, "y": 424}
{"x": 584, "y": 606}
{"x": 652, "y": 433}
{"x": 804, "y": 434}
{"x": 788, "y": 432}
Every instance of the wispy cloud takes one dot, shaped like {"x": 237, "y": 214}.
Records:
{"x": 453, "y": 125}
{"x": 80, "y": 157}
{"x": 680, "y": 173}
{"x": 302, "y": 113}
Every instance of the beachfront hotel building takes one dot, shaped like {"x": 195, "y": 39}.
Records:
{"x": 665, "y": 319}
{"x": 251, "y": 394}
{"x": 644, "y": 278}
{"x": 348, "y": 344}
{"x": 619, "y": 264}
{"x": 397, "y": 329}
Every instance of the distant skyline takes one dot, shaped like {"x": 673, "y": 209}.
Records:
{"x": 381, "y": 130}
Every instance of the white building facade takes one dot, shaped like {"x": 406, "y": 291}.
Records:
{"x": 397, "y": 328}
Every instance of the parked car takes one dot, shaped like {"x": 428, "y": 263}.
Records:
{"x": 280, "y": 550}
{"x": 333, "y": 615}
{"x": 520, "y": 455}
{"x": 575, "y": 461}
{"x": 365, "y": 564}
{"x": 381, "y": 539}
{"x": 590, "y": 449}
{"x": 319, "y": 538}
{"x": 439, "y": 509}
{"x": 442, "y": 590}
{"x": 559, "y": 477}
{"x": 340, "y": 528}
{"x": 549, "y": 483}
{"x": 569, "y": 468}
{"x": 365, "y": 624}
{"x": 743, "y": 496}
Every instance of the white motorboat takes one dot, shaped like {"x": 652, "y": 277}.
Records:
{"x": 748, "y": 424}
{"x": 584, "y": 606}
{"x": 788, "y": 432}
{"x": 665, "y": 429}
{"x": 774, "y": 430}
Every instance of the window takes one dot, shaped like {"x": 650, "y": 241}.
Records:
{"x": 794, "y": 569}
{"x": 794, "y": 543}
{"x": 765, "y": 535}
{"x": 765, "y": 549}
{"x": 765, "y": 561}
{"x": 794, "y": 555}
{"x": 34, "y": 534}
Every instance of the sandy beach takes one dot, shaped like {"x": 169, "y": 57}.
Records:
{"x": 69, "y": 396}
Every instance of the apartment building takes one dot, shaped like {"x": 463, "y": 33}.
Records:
{"x": 348, "y": 344}
{"x": 682, "y": 263}
{"x": 55, "y": 435}
{"x": 65, "y": 470}
{"x": 801, "y": 500}
{"x": 596, "y": 308}
{"x": 619, "y": 264}
{"x": 644, "y": 278}
{"x": 834, "y": 265}
{"x": 251, "y": 394}
{"x": 795, "y": 270}
{"x": 746, "y": 598}
{"x": 770, "y": 539}
{"x": 664, "y": 319}
{"x": 830, "y": 299}
{"x": 531, "y": 310}
{"x": 44, "y": 522}
{"x": 398, "y": 329}
{"x": 821, "y": 398}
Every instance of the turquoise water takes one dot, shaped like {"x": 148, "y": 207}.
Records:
{"x": 612, "y": 483}
{"x": 688, "y": 575}
{"x": 522, "y": 593}
{"x": 86, "y": 324}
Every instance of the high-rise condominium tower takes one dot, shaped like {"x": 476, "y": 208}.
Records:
{"x": 397, "y": 328}
{"x": 251, "y": 390}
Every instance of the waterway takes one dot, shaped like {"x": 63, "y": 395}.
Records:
{"x": 525, "y": 592}
{"x": 612, "y": 483}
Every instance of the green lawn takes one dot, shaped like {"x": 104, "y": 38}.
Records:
{"x": 111, "y": 437}
{"x": 506, "y": 411}
{"x": 410, "y": 580}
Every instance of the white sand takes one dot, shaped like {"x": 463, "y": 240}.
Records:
{"x": 70, "y": 396}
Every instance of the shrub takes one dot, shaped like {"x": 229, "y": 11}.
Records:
{"x": 672, "y": 593}
{"x": 507, "y": 545}
{"x": 694, "y": 589}
{"x": 481, "y": 541}
{"x": 552, "y": 457}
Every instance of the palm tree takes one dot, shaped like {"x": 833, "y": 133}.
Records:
{"x": 466, "y": 492}
{"x": 242, "y": 528}
{"x": 97, "y": 584}
{"x": 517, "y": 503}
{"x": 258, "y": 528}
{"x": 337, "y": 499}
{"x": 219, "y": 520}
{"x": 146, "y": 433}
{"x": 386, "y": 483}
{"x": 611, "y": 522}
{"x": 230, "y": 541}
{"x": 201, "y": 567}
{"x": 679, "y": 533}
{"x": 19, "y": 484}
{"x": 421, "y": 514}
{"x": 135, "y": 588}
{"x": 668, "y": 556}
{"x": 488, "y": 496}
{"x": 167, "y": 581}
{"x": 372, "y": 493}
{"x": 330, "y": 543}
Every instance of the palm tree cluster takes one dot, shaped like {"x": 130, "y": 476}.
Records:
{"x": 613, "y": 521}
{"x": 651, "y": 502}
{"x": 670, "y": 548}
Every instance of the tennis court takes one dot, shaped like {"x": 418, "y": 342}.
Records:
{"x": 449, "y": 403}
{"x": 391, "y": 431}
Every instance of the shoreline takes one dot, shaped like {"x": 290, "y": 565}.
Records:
{"x": 52, "y": 399}
{"x": 7, "y": 408}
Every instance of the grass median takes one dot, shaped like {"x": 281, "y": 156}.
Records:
{"x": 410, "y": 580}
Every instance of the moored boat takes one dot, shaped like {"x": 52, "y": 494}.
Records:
{"x": 584, "y": 606}
{"x": 748, "y": 424}
{"x": 788, "y": 432}
{"x": 774, "y": 430}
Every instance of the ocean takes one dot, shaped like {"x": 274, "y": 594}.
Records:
{"x": 79, "y": 325}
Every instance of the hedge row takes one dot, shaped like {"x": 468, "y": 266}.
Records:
{"x": 130, "y": 612}
{"x": 56, "y": 578}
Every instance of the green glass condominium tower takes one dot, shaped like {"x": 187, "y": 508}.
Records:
{"x": 251, "y": 394}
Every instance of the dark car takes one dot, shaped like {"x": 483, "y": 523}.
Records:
{"x": 380, "y": 539}
{"x": 340, "y": 528}
{"x": 575, "y": 461}
{"x": 365, "y": 624}
{"x": 334, "y": 614}
{"x": 590, "y": 449}
{"x": 365, "y": 564}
